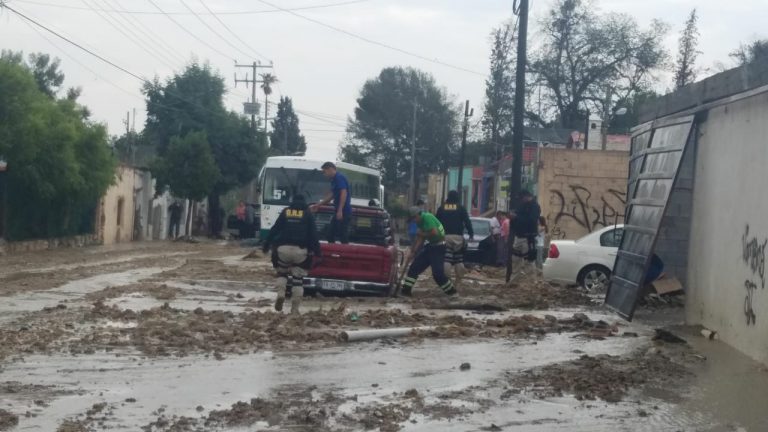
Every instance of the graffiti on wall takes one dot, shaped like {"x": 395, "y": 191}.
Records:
{"x": 753, "y": 256}
{"x": 586, "y": 210}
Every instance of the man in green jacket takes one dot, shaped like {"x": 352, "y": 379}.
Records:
{"x": 431, "y": 255}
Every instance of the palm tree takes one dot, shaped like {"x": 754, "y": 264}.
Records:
{"x": 267, "y": 80}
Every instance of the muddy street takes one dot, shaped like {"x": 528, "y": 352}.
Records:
{"x": 184, "y": 337}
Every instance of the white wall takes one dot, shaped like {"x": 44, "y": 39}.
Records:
{"x": 731, "y": 193}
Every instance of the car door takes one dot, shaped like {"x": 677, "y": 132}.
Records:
{"x": 609, "y": 246}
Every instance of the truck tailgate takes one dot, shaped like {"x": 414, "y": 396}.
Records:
{"x": 355, "y": 262}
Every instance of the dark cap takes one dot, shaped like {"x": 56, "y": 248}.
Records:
{"x": 328, "y": 165}
{"x": 298, "y": 200}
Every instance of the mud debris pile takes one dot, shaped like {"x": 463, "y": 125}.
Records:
{"x": 604, "y": 377}
{"x": 8, "y": 420}
{"x": 168, "y": 331}
{"x": 528, "y": 291}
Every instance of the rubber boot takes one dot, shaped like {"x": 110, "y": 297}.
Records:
{"x": 460, "y": 271}
{"x": 282, "y": 283}
{"x": 298, "y": 294}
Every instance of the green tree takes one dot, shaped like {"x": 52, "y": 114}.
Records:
{"x": 380, "y": 134}
{"x": 59, "y": 164}
{"x": 687, "y": 52}
{"x": 286, "y": 138}
{"x": 45, "y": 70}
{"x": 500, "y": 89}
{"x": 192, "y": 101}
{"x": 751, "y": 52}
{"x": 188, "y": 168}
{"x": 590, "y": 61}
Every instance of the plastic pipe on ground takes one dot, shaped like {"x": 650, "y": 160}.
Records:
{"x": 371, "y": 334}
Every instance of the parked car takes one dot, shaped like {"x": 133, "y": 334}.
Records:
{"x": 367, "y": 265}
{"x": 480, "y": 250}
{"x": 587, "y": 261}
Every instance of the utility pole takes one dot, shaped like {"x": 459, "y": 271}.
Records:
{"x": 464, "y": 130}
{"x": 516, "y": 183}
{"x": 606, "y": 118}
{"x": 411, "y": 187}
{"x": 251, "y": 108}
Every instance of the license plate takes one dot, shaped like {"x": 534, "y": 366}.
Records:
{"x": 364, "y": 222}
{"x": 473, "y": 245}
{"x": 333, "y": 285}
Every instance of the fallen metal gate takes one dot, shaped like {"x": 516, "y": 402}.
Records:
{"x": 655, "y": 156}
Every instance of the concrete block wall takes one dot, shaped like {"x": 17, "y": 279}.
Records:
{"x": 582, "y": 191}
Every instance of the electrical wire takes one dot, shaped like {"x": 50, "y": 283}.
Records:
{"x": 223, "y": 24}
{"x": 213, "y": 30}
{"x": 95, "y": 74}
{"x": 149, "y": 33}
{"x": 103, "y": 59}
{"x": 245, "y": 12}
{"x": 197, "y": 38}
{"x": 132, "y": 37}
{"x": 371, "y": 41}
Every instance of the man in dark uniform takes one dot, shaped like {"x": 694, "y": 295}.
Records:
{"x": 455, "y": 220}
{"x": 431, "y": 255}
{"x": 294, "y": 236}
{"x": 525, "y": 227}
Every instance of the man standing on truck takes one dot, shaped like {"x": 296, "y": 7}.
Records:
{"x": 342, "y": 204}
{"x": 455, "y": 219}
{"x": 431, "y": 255}
{"x": 294, "y": 235}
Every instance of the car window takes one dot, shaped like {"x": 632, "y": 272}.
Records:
{"x": 481, "y": 228}
{"x": 612, "y": 238}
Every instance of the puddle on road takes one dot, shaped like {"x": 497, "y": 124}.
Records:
{"x": 17, "y": 305}
{"x": 182, "y": 384}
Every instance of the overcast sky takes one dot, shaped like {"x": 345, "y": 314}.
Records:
{"x": 321, "y": 69}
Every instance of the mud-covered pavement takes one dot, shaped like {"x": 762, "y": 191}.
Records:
{"x": 183, "y": 337}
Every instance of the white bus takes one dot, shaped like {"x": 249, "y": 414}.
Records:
{"x": 284, "y": 176}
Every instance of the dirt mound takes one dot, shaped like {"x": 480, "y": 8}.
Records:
{"x": 213, "y": 269}
{"x": 8, "y": 420}
{"x": 158, "y": 291}
{"x": 605, "y": 377}
{"x": 527, "y": 291}
{"x": 169, "y": 331}
{"x": 305, "y": 408}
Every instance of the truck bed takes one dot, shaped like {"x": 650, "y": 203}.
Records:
{"x": 368, "y": 265}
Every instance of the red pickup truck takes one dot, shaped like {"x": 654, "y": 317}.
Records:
{"x": 367, "y": 265}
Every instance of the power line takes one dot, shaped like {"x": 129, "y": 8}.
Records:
{"x": 122, "y": 29}
{"x": 371, "y": 41}
{"x": 223, "y": 24}
{"x": 243, "y": 12}
{"x": 96, "y": 74}
{"x": 63, "y": 51}
{"x": 322, "y": 130}
{"x": 109, "y": 62}
{"x": 213, "y": 30}
{"x": 189, "y": 32}
{"x": 150, "y": 34}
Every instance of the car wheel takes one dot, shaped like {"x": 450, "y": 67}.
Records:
{"x": 595, "y": 279}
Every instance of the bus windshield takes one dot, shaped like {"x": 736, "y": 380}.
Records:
{"x": 281, "y": 184}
